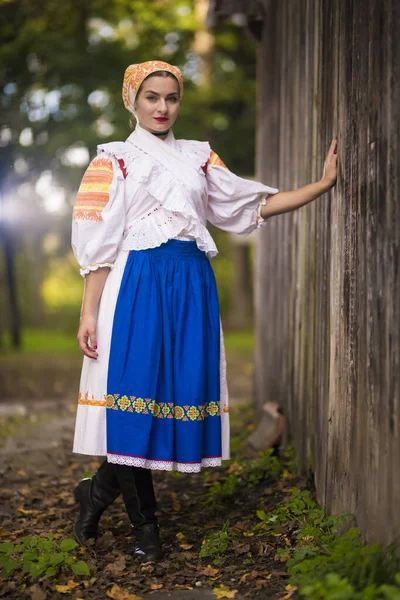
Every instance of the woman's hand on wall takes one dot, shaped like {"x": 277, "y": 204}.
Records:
{"x": 284, "y": 202}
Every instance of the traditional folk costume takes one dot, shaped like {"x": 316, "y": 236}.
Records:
{"x": 156, "y": 397}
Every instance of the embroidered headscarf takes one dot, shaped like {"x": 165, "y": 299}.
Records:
{"x": 136, "y": 74}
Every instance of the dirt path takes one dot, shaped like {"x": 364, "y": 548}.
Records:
{"x": 207, "y": 520}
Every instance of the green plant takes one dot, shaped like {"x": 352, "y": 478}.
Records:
{"x": 37, "y": 556}
{"x": 302, "y": 510}
{"x": 288, "y": 457}
{"x": 221, "y": 491}
{"x": 335, "y": 587}
{"x": 265, "y": 467}
{"x": 216, "y": 544}
{"x": 325, "y": 563}
{"x": 347, "y": 556}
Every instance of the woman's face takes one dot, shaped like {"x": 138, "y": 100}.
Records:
{"x": 157, "y": 105}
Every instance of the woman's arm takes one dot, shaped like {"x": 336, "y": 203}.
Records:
{"x": 284, "y": 202}
{"x": 94, "y": 285}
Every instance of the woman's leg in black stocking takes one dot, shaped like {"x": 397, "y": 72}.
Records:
{"x": 138, "y": 494}
{"x": 94, "y": 495}
{"x": 145, "y": 490}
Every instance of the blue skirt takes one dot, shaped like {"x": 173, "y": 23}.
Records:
{"x": 163, "y": 388}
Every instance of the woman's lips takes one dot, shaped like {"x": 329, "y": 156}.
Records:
{"x": 161, "y": 119}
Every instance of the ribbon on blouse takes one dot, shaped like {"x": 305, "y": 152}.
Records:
{"x": 182, "y": 162}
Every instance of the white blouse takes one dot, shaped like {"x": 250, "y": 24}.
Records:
{"x": 142, "y": 192}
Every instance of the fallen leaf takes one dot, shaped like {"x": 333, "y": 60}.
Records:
{"x": 44, "y": 517}
{"x": 117, "y": 567}
{"x": 183, "y": 587}
{"x": 147, "y": 569}
{"x": 117, "y": 593}
{"x": 3, "y": 532}
{"x": 248, "y": 533}
{"x": 255, "y": 574}
{"x": 224, "y": 592}
{"x": 242, "y": 548}
{"x": 186, "y": 546}
{"x": 209, "y": 571}
{"x": 235, "y": 468}
{"x": 27, "y": 512}
{"x": 264, "y": 549}
{"x": 37, "y": 593}
{"x": 242, "y": 525}
{"x": 180, "y": 536}
{"x": 156, "y": 586}
{"x": 306, "y": 540}
{"x": 210, "y": 524}
{"x": 260, "y": 583}
{"x": 281, "y": 559}
{"x": 105, "y": 541}
{"x": 291, "y": 590}
{"x": 65, "y": 589}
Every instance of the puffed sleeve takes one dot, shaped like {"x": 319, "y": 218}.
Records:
{"x": 98, "y": 220}
{"x": 234, "y": 203}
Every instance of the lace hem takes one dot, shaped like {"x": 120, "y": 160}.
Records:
{"x": 164, "y": 465}
{"x": 155, "y": 229}
{"x": 260, "y": 220}
{"x": 85, "y": 270}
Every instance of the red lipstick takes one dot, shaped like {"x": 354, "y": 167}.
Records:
{"x": 161, "y": 119}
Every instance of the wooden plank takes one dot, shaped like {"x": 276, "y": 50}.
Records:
{"x": 327, "y": 276}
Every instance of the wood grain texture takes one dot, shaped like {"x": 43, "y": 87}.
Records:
{"x": 327, "y": 290}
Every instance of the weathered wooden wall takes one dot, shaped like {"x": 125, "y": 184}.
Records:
{"x": 327, "y": 276}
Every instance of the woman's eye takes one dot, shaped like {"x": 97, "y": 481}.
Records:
{"x": 173, "y": 99}
{"x": 151, "y": 98}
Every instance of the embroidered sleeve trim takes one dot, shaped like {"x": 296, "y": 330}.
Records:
{"x": 215, "y": 161}
{"x": 94, "y": 191}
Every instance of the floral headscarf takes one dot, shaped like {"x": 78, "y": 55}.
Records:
{"x": 136, "y": 74}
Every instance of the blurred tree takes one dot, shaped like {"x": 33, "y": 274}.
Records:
{"x": 61, "y": 70}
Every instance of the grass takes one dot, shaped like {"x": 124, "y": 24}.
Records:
{"x": 42, "y": 341}
{"x": 48, "y": 341}
{"x": 239, "y": 340}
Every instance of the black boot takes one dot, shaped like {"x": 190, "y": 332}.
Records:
{"x": 145, "y": 491}
{"x": 140, "y": 505}
{"x": 94, "y": 495}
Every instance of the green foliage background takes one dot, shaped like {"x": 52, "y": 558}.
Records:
{"x": 53, "y": 57}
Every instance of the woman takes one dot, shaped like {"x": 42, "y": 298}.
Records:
{"x": 153, "y": 392}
